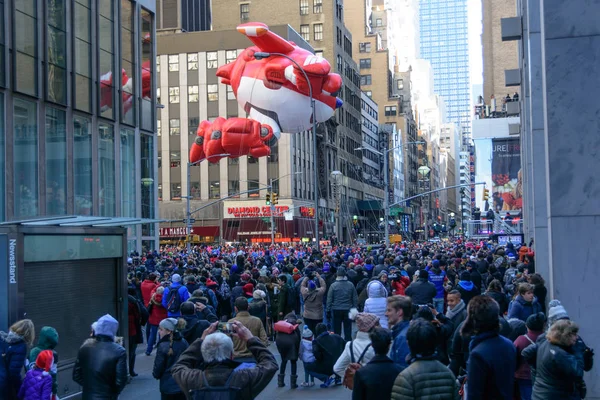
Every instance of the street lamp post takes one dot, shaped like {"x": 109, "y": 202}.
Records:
{"x": 259, "y": 55}
{"x": 188, "y": 219}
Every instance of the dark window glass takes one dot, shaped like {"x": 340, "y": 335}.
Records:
{"x": 128, "y": 186}
{"x": 127, "y": 64}
{"x": 2, "y": 157}
{"x": 25, "y": 34}
{"x": 82, "y": 165}
{"x": 83, "y": 50}
{"x": 56, "y": 162}
{"x": 57, "y": 48}
{"x": 106, "y": 169}
{"x": 148, "y": 183}
{"x": 107, "y": 58}
{"x": 147, "y": 72}
{"x": 25, "y": 158}
{"x": 2, "y": 75}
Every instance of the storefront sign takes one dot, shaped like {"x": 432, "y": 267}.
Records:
{"x": 308, "y": 212}
{"x": 12, "y": 261}
{"x": 254, "y": 212}
{"x": 177, "y": 231}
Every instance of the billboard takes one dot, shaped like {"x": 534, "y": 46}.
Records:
{"x": 507, "y": 180}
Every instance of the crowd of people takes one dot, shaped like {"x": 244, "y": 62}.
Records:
{"x": 443, "y": 320}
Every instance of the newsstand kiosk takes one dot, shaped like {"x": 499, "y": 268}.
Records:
{"x": 65, "y": 277}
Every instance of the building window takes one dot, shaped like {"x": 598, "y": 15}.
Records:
{"x": 211, "y": 60}
{"x": 157, "y": 63}
{"x": 400, "y": 84}
{"x": 365, "y": 79}
{"x": 175, "y": 191}
{"x": 106, "y": 167}
{"x": 158, "y": 95}
{"x": 147, "y": 69}
{"x": 25, "y": 38}
{"x": 303, "y": 7}
{"x": 174, "y": 95}
{"x": 390, "y": 111}
{"x": 82, "y": 165}
{"x": 365, "y": 63}
{"x": 174, "y": 127}
{"x": 318, "y": 6}
{"x": 175, "y": 159}
{"x": 106, "y": 59}
{"x": 193, "y": 124}
{"x": 173, "y": 63}
{"x": 364, "y": 47}
{"x": 56, "y": 162}
{"x": 230, "y": 56}
{"x": 25, "y": 157}
{"x": 214, "y": 190}
{"x": 305, "y": 32}
{"x": 56, "y": 73}
{"x": 158, "y": 129}
{"x": 147, "y": 183}
{"x": 213, "y": 92}
{"x": 244, "y": 12}
{"x": 128, "y": 164}
{"x": 195, "y": 190}
{"x": 82, "y": 56}
{"x": 193, "y": 94}
{"x": 192, "y": 60}
{"x": 319, "y": 53}
{"x": 369, "y": 93}
{"x": 127, "y": 58}
{"x": 379, "y": 22}
{"x": 233, "y": 188}
{"x": 230, "y": 94}
{"x": 318, "y": 32}
{"x": 2, "y": 74}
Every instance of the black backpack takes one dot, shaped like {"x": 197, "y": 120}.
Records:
{"x": 144, "y": 313}
{"x": 226, "y": 392}
{"x": 173, "y": 301}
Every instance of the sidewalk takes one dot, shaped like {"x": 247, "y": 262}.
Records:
{"x": 145, "y": 387}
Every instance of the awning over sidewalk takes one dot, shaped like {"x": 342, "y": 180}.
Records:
{"x": 369, "y": 205}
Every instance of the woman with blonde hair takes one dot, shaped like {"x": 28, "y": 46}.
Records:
{"x": 170, "y": 346}
{"x": 13, "y": 348}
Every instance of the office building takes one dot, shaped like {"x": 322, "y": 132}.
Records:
{"x": 77, "y": 139}
{"x": 183, "y": 15}
{"x": 444, "y": 43}
{"x": 321, "y": 24}
{"x": 498, "y": 55}
{"x": 191, "y": 93}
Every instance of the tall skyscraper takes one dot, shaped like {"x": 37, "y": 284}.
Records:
{"x": 445, "y": 44}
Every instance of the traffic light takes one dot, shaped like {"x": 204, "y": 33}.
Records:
{"x": 486, "y": 194}
{"x": 274, "y": 198}
{"x": 268, "y": 199}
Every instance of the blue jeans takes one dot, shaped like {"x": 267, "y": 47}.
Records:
{"x": 525, "y": 388}
{"x": 151, "y": 333}
{"x": 438, "y": 304}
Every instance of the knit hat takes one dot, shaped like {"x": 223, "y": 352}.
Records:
{"x": 535, "y": 322}
{"x": 312, "y": 285}
{"x": 176, "y": 278}
{"x": 44, "y": 360}
{"x": 435, "y": 263}
{"x": 366, "y": 321}
{"x": 306, "y": 333}
{"x": 248, "y": 289}
{"x": 295, "y": 270}
{"x": 169, "y": 324}
{"x": 245, "y": 277}
{"x": 258, "y": 294}
{"x": 341, "y": 271}
{"x": 555, "y": 312}
{"x": 465, "y": 276}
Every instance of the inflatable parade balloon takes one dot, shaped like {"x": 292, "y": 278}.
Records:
{"x": 274, "y": 93}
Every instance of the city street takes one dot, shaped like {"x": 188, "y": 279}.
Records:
{"x": 144, "y": 386}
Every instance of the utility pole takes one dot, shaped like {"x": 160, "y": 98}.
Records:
{"x": 272, "y": 214}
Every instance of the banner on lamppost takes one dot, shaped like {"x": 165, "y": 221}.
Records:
{"x": 507, "y": 180}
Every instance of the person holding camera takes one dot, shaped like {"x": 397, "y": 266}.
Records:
{"x": 313, "y": 299}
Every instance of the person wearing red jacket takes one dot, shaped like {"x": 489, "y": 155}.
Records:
{"x": 148, "y": 288}
{"x": 157, "y": 314}
{"x": 399, "y": 282}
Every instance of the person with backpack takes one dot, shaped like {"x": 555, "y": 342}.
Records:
{"x": 374, "y": 381}
{"x": 327, "y": 348}
{"x": 359, "y": 351}
{"x": 170, "y": 346}
{"x": 174, "y": 296}
{"x": 288, "y": 346}
{"x": 221, "y": 378}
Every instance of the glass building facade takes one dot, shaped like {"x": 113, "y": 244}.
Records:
{"x": 75, "y": 137}
{"x": 444, "y": 42}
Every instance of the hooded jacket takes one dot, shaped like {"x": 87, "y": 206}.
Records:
{"x": 14, "y": 349}
{"x": 194, "y": 328}
{"x": 37, "y": 385}
{"x": 521, "y": 309}
{"x": 313, "y": 301}
{"x": 467, "y": 290}
{"x": 377, "y": 301}
{"x": 358, "y": 346}
{"x": 48, "y": 340}
{"x": 163, "y": 362}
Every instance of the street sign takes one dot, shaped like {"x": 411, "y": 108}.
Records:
{"x": 396, "y": 211}
{"x": 192, "y": 221}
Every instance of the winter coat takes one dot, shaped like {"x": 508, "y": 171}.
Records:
{"x": 163, "y": 362}
{"x": 255, "y": 326}
{"x": 521, "y": 309}
{"x": 283, "y": 308}
{"x": 258, "y": 309}
{"x": 14, "y": 350}
{"x": 251, "y": 380}
{"x": 342, "y": 296}
{"x": 133, "y": 314}
{"x": 327, "y": 348}
{"x": 500, "y": 299}
{"x": 491, "y": 367}
{"x": 375, "y": 380}
{"x": 377, "y": 302}
{"x": 313, "y": 301}
{"x": 194, "y": 328}
{"x": 288, "y": 345}
{"x": 101, "y": 369}
{"x": 421, "y": 292}
{"x": 438, "y": 277}
{"x": 183, "y": 296}
{"x": 399, "y": 349}
{"x": 557, "y": 372}
{"x": 148, "y": 288}
{"x": 399, "y": 285}
{"x": 467, "y": 291}
{"x": 426, "y": 379}
{"x": 158, "y": 311}
{"x": 358, "y": 346}
{"x": 306, "y": 351}
{"x": 37, "y": 385}
{"x": 523, "y": 370}
{"x": 48, "y": 340}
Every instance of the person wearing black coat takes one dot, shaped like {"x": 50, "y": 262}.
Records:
{"x": 101, "y": 364}
{"x": 375, "y": 380}
{"x": 327, "y": 348}
{"x": 170, "y": 346}
{"x": 422, "y": 291}
{"x": 195, "y": 326}
{"x": 288, "y": 346}
{"x": 494, "y": 290}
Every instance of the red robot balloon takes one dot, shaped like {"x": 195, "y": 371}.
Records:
{"x": 274, "y": 93}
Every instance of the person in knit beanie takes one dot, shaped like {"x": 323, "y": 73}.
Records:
{"x": 556, "y": 312}
{"x": 37, "y": 384}
{"x": 360, "y": 346}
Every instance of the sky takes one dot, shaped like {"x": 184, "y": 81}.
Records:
{"x": 475, "y": 50}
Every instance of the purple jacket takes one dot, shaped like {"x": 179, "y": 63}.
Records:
{"x": 37, "y": 385}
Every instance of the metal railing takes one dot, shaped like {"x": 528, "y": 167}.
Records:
{"x": 484, "y": 228}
